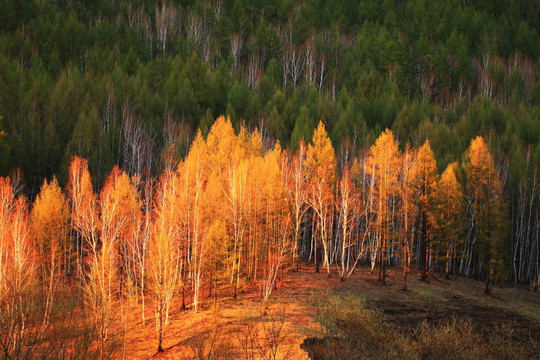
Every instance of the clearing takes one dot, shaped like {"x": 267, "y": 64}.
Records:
{"x": 288, "y": 327}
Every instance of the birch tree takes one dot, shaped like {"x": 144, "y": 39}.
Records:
{"x": 50, "y": 226}
{"x": 164, "y": 255}
{"x": 321, "y": 169}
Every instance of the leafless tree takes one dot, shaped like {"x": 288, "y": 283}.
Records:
{"x": 253, "y": 70}
{"x": 275, "y": 257}
{"x": 296, "y": 66}
{"x": 310, "y": 55}
{"x": 236, "y": 49}
{"x": 137, "y": 144}
{"x": 195, "y": 27}
{"x": 167, "y": 22}
{"x": 322, "y": 71}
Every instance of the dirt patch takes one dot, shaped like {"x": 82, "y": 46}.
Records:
{"x": 407, "y": 316}
{"x": 509, "y": 316}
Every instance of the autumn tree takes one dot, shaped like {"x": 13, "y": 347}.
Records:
{"x": 120, "y": 213}
{"x": 193, "y": 176}
{"x": 165, "y": 258}
{"x": 143, "y": 236}
{"x": 487, "y": 214}
{"x": 217, "y": 239}
{"x": 321, "y": 169}
{"x": 226, "y": 188}
{"x": 449, "y": 216}
{"x": 296, "y": 180}
{"x": 6, "y": 208}
{"x": 383, "y": 166}
{"x": 349, "y": 212}
{"x": 107, "y": 259}
{"x": 50, "y": 226}
{"x": 96, "y": 256}
{"x": 423, "y": 185}
{"x": 408, "y": 210}
{"x": 235, "y": 193}
{"x": 276, "y": 229}
{"x": 17, "y": 277}
{"x": 83, "y": 204}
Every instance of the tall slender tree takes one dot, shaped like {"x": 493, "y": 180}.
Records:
{"x": 321, "y": 172}
{"x": 487, "y": 215}
{"x": 383, "y": 167}
{"x": 449, "y": 216}
{"x": 50, "y": 226}
{"x": 165, "y": 258}
{"x": 423, "y": 184}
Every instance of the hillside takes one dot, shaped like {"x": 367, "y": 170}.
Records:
{"x": 157, "y": 154}
{"x": 503, "y": 325}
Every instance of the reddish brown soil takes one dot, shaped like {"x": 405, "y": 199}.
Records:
{"x": 434, "y": 301}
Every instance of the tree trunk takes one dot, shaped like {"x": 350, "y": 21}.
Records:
{"x": 422, "y": 263}
{"x": 405, "y": 270}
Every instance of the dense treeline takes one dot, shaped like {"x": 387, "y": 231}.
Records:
{"x": 130, "y": 82}
{"x": 232, "y": 213}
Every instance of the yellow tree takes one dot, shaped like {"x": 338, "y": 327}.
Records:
{"x": 408, "y": 210}
{"x": 235, "y": 195}
{"x": 423, "y": 184}
{"x": 120, "y": 213}
{"x": 276, "y": 221}
{"x": 193, "y": 176}
{"x": 449, "y": 215}
{"x": 487, "y": 216}
{"x": 84, "y": 214}
{"x": 165, "y": 258}
{"x": 321, "y": 169}
{"x": 17, "y": 297}
{"x": 383, "y": 167}
{"x": 255, "y": 210}
{"x": 349, "y": 210}
{"x": 224, "y": 191}
{"x": 50, "y": 226}
{"x": 6, "y": 208}
{"x": 21, "y": 261}
{"x": 143, "y": 235}
{"x": 296, "y": 181}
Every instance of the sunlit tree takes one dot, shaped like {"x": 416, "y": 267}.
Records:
{"x": 193, "y": 176}
{"x": 449, "y": 216}
{"x": 165, "y": 258}
{"x": 423, "y": 185}
{"x": 408, "y": 209}
{"x": 321, "y": 172}
{"x": 50, "y": 226}
{"x": 383, "y": 166}
{"x": 487, "y": 216}
{"x": 349, "y": 211}
{"x": 296, "y": 181}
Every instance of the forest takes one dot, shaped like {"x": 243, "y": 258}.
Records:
{"x": 164, "y": 152}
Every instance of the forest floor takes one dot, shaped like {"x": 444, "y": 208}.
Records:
{"x": 246, "y": 328}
